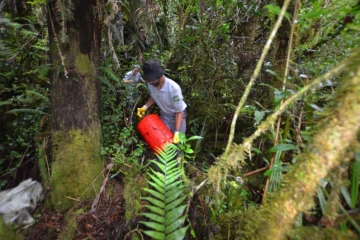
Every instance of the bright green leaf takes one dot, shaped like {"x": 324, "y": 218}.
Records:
{"x": 282, "y": 147}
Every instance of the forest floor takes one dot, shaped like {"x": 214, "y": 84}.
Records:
{"x": 106, "y": 222}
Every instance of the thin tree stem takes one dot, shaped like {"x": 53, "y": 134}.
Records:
{"x": 286, "y": 73}
{"x": 255, "y": 75}
{"x": 265, "y": 125}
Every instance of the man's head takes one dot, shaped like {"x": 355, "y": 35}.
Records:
{"x": 136, "y": 68}
{"x": 153, "y": 72}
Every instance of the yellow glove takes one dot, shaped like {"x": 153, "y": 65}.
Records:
{"x": 176, "y": 139}
{"x": 141, "y": 111}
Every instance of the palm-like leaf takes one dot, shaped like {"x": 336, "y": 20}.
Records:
{"x": 166, "y": 198}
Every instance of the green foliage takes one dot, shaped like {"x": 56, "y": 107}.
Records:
{"x": 209, "y": 48}
{"x": 166, "y": 196}
{"x": 22, "y": 131}
{"x": 282, "y": 147}
{"x": 24, "y": 88}
{"x": 334, "y": 38}
{"x": 134, "y": 182}
{"x": 121, "y": 141}
{"x": 65, "y": 13}
{"x": 276, "y": 10}
{"x": 351, "y": 196}
{"x": 355, "y": 183}
{"x": 185, "y": 147}
{"x": 201, "y": 62}
{"x": 312, "y": 232}
{"x": 8, "y": 232}
{"x": 130, "y": 151}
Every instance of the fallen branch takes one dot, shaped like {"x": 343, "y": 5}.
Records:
{"x": 97, "y": 198}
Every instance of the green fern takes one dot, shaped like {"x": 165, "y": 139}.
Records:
{"x": 4, "y": 103}
{"x": 110, "y": 74}
{"x": 107, "y": 83}
{"x": 65, "y": 9}
{"x": 167, "y": 194}
{"x": 4, "y": 50}
{"x": 38, "y": 95}
{"x": 27, "y": 111}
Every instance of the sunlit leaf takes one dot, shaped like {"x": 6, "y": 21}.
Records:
{"x": 276, "y": 10}
{"x": 259, "y": 115}
{"x": 282, "y": 147}
{"x": 313, "y": 14}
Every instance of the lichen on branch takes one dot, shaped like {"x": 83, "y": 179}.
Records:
{"x": 334, "y": 136}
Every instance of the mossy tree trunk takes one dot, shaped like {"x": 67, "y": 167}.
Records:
{"x": 75, "y": 100}
{"x": 329, "y": 149}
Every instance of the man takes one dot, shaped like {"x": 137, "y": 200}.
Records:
{"x": 133, "y": 76}
{"x": 167, "y": 95}
{"x": 131, "y": 79}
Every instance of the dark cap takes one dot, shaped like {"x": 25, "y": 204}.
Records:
{"x": 152, "y": 70}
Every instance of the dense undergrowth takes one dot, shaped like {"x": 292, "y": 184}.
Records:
{"x": 211, "y": 48}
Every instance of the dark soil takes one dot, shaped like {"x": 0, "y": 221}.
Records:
{"x": 106, "y": 222}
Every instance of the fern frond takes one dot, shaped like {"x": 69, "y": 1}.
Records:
{"x": 166, "y": 197}
{"x": 27, "y": 111}
{"x": 5, "y": 51}
{"x": 65, "y": 10}
{"x": 9, "y": 23}
{"x": 4, "y": 20}
{"x": 107, "y": 83}
{"x": 110, "y": 74}
{"x": 63, "y": 36}
{"x": 39, "y": 95}
{"x": 4, "y": 103}
{"x": 30, "y": 25}
{"x": 69, "y": 9}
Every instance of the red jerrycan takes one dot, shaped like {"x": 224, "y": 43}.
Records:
{"x": 155, "y": 132}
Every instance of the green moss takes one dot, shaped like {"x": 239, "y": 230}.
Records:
{"x": 7, "y": 232}
{"x": 227, "y": 224}
{"x": 43, "y": 165}
{"x": 83, "y": 65}
{"x": 70, "y": 224}
{"x": 54, "y": 51}
{"x": 76, "y": 167}
{"x": 309, "y": 233}
{"x": 132, "y": 194}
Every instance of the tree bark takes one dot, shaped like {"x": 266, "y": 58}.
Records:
{"x": 75, "y": 101}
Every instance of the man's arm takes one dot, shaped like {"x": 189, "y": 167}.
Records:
{"x": 141, "y": 111}
{"x": 178, "y": 120}
{"x": 150, "y": 102}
